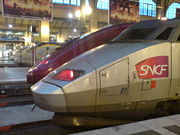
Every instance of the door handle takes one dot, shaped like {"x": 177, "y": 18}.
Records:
{"x": 134, "y": 76}
{"x": 103, "y": 74}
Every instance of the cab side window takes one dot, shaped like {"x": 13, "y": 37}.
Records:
{"x": 165, "y": 34}
{"x": 178, "y": 38}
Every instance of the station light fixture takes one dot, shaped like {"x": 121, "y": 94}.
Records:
{"x": 36, "y": 34}
{"x": 75, "y": 30}
{"x": 87, "y": 10}
{"x": 9, "y": 32}
{"x": 78, "y": 13}
{"x": 163, "y": 18}
{"x": 10, "y": 26}
{"x": 70, "y": 15}
{"x": 60, "y": 40}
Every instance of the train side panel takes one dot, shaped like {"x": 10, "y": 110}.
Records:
{"x": 175, "y": 84}
{"x": 150, "y": 78}
{"x": 135, "y": 92}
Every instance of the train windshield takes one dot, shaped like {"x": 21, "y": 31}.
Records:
{"x": 136, "y": 34}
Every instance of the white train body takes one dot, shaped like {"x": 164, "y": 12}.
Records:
{"x": 36, "y": 53}
{"x": 132, "y": 77}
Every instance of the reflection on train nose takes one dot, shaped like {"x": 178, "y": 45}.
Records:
{"x": 46, "y": 88}
{"x": 47, "y": 95}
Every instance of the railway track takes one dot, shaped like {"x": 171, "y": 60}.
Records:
{"x": 13, "y": 90}
{"x": 14, "y": 98}
{"x": 38, "y": 127}
{"x": 44, "y": 127}
{"x": 21, "y": 126}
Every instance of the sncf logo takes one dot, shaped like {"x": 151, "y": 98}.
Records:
{"x": 155, "y": 67}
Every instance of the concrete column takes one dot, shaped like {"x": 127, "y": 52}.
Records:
{"x": 83, "y": 2}
{"x": 163, "y": 6}
{"x": 45, "y": 31}
{"x": 60, "y": 39}
{"x": 28, "y": 38}
{"x": 83, "y": 17}
{"x": 89, "y": 20}
{"x": 159, "y": 12}
{"x": 93, "y": 17}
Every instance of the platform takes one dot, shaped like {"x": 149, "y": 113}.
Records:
{"x": 7, "y": 63}
{"x": 13, "y": 79}
{"x": 22, "y": 114}
{"x": 160, "y": 126}
{"x": 17, "y": 74}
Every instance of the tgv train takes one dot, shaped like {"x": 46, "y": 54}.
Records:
{"x": 32, "y": 55}
{"x": 73, "y": 49}
{"x": 135, "y": 76}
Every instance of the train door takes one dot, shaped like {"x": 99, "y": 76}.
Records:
{"x": 175, "y": 83}
{"x": 113, "y": 95}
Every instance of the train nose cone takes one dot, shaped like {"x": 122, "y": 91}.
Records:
{"x": 49, "y": 97}
{"x": 34, "y": 75}
{"x": 30, "y": 77}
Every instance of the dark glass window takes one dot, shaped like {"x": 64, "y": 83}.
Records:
{"x": 171, "y": 12}
{"x": 165, "y": 34}
{"x": 137, "y": 34}
{"x": 69, "y": 2}
{"x": 178, "y": 38}
{"x": 147, "y": 8}
{"x": 103, "y": 4}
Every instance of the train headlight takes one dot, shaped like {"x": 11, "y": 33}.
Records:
{"x": 68, "y": 75}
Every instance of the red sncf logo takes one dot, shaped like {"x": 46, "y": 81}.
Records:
{"x": 155, "y": 67}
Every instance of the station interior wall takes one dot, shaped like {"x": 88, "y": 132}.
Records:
{"x": 60, "y": 26}
{"x": 60, "y": 23}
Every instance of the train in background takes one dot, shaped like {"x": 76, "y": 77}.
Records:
{"x": 17, "y": 57}
{"x": 31, "y": 55}
{"x": 73, "y": 49}
{"x": 134, "y": 77}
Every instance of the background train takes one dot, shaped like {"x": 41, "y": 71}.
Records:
{"x": 17, "y": 57}
{"x": 73, "y": 49}
{"x": 32, "y": 55}
{"x": 131, "y": 78}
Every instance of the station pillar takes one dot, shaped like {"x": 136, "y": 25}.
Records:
{"x": 162, "y": 7}
{"x": 60, "y": 39}
{"x": 83, "y": 16}
{"x": 28, "y": 38}
{"x": 159, "y": 12}
{"x": 45, "y": 31}
{"x": 93, "y": 16}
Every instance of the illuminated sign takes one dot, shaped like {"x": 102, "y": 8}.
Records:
{"x": 33, "y": 9}
{"x": 123, "y": 11}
